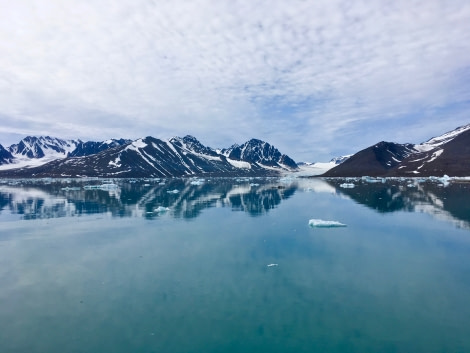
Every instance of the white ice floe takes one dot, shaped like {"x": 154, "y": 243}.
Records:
{"x": 272, "y": 265}
{"x": 319, "y": 223}
{"x": 161, "y": 209}
{"x": 347, "y": 185}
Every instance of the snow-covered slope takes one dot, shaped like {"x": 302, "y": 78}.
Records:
{"x": 319, "y": 168}
{"x": 440, "y": 140}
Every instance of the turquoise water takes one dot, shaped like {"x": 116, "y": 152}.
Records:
{"x": 102, "y": 271}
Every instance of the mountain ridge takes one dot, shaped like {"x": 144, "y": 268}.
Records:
{"x": 152, "y": 157}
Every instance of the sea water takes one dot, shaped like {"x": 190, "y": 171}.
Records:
{"x": 232, "y": 265}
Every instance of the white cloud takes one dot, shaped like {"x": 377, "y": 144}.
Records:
{"x": 315, "y": 78}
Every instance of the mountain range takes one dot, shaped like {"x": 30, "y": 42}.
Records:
{"x": 144, "y": 157}
{"x": 151, "y": 157}
{"x": 445, "y": 154}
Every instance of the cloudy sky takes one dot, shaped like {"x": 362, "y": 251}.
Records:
{"x": 316, "y": 78}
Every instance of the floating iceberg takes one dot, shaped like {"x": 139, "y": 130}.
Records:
{"x": 346, "y": 185}
{"x": 161, "y": 209}
{"x": 319, "y": 223}
{"x": 445, "y": 180}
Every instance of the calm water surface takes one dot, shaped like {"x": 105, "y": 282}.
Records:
{"x": 102, "y": 270}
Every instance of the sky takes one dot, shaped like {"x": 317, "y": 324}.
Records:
{"x": 315, "y": 78}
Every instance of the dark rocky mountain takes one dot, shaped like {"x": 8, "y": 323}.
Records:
{"x": 446, "y": 154}
{"x": 451, "y": 157}
{"x": 376, "y": 160}
{"x": 92, "y": 147}
{"x": 151, "y": 157}
{"x": 5, "y": 156}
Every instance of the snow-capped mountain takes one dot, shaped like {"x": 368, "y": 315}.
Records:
{"x": 261, "y": 153}
{"x": 42, "y": 147}
{"x": 35, "y": 151}
{"x": 5, "y": 156}
{"x": 340, "y": 159}
{"x": 152, "y": 157}
{"x": 446, "y": 154}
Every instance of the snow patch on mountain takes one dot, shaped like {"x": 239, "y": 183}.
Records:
{"x": 440, "y": 140}
{"x": 239, "y": 164}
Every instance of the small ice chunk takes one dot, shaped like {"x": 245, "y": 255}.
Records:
{"x": 319, "y": 223}
{"x": 161, "y": 209}
{"x": 197, "y": 182}
{"x": 272, "y": 265}
{"x": 173, "y": 191}
{"x": 346, "y": 185}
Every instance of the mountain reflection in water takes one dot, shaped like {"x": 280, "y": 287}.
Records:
{"x": 446, "y": 202}
{"x": 181, "y": 198}
{"x": 186, "y": 198}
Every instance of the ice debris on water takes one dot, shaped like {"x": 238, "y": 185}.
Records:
{"x": 346, "y": 185}
{"x": 175, "y": 191}
{"x": 272, "y": 265}
{"x": 319, "y": 223}
{"x": 197, "y": 182}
